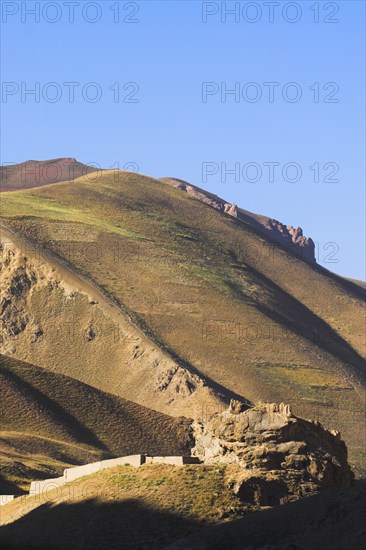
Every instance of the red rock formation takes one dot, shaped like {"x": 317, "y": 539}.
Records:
{"x": 289, "y": 237}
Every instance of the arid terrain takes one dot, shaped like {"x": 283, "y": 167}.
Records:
{"x": 134, "y": 310}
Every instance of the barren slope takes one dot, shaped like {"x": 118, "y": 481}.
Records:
{"x": 166, "y": 507}
{"x": 289, "y": 237}
{"x": 33, "y": 173}
{"x": 55, "y": 318}
{"x": 332, "y": 520}
{"x": 49, "y": 421}
{"x": 208, "y": 287}
{"x": 125, "y": 507}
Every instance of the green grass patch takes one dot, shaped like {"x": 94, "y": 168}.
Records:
{"x": 21, "y": 204}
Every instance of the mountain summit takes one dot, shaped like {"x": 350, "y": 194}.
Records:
{"x": 36, "y": 173}
{"x": 137, "y": 288}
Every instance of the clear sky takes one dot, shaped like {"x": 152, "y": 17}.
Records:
{"x": 144, "y": 85}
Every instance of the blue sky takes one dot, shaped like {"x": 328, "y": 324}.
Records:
{"x": 171, "y": 62}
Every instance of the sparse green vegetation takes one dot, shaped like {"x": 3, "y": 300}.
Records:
{"x": 31, "y": 205}
{"x": 192, "y": 508}
{"x": 207, "y": 287}
{"x": 164, "y": 503}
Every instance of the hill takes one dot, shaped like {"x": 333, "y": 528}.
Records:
{"x": 333, "y": 520}
{"x": 53, "y": 316}
{"x": 34, "y": 173}
{"x": 125, "y": 507}
{"x": 161, "y": 506}
{"x": 288, "y": 237}
{"x": 230, "y": 313}
{"x": 50, "y": 421}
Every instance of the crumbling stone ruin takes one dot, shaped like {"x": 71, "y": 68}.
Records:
{"x": 283, "y": 457}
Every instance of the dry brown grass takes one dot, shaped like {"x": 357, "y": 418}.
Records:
{"x": 49, "y": 421}
{"x": 211, "y": 289}
{"x": 146, "y": 507}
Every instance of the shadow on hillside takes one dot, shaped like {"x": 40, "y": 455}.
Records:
{"x": 301, "y": 321}
{"x": 253, "y": 225}
{"x": 126, "y": 525}
{"x": 9, "y": 488}
{"x": 332, "y": 520}
{"x": 61, "y": 416}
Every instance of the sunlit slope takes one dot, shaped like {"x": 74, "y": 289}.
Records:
{"x": 125, "y": 507}
{"x": 242, "y": 311}
{"x": 49, "y": 420}
{"x": 52, "y": 316}
{"x": 178, "y": 508}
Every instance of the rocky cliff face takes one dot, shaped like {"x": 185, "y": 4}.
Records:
{"x": 283, "y": 457}
{"x": 290, "y": 237}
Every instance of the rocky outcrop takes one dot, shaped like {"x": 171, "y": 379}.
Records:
{"x": 286, "y": 235}
{"x": 202, "y": 196}
{"x": 292, "y": 238}
{"x": 231, "y": 209}
{"x": 282, "y": 457}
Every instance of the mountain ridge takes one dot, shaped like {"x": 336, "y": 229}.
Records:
{"x": 278, "y": 329}
{"x": 35, "y": 173}
{"x": 32, "y": 173}
{"x": 286, "y": 235}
